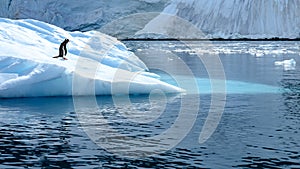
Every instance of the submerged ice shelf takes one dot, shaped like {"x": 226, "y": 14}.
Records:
{"x": 99, "y": 61}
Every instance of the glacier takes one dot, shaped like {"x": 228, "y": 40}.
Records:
{"x": 228, "y": 19}
{"x": 76, "y": 14}
{"x": 100, "y": 62}
{"x": 236, "y": 19}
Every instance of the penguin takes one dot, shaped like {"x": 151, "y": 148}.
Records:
{"x": 63, "y": 49}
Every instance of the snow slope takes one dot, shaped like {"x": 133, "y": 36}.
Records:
{"x": 97, "y": 61}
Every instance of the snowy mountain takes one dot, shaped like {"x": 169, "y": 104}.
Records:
{"x": 255, "y": 19}
{"x": 97, "y": 63}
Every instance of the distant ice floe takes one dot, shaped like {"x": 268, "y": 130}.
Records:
{"x": 253, "y": 48}
{"x": 287, "y": 64}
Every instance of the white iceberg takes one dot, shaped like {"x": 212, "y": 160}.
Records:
{"x": 101, "y": 62}
{"x": 289, "y": 64}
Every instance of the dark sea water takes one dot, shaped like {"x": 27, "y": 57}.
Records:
{"x": 259, "y": 127}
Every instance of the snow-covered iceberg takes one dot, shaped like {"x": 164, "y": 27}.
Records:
{"x": 27, "y": 68}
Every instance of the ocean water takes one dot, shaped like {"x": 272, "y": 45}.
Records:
{"x": 258, "y": 127}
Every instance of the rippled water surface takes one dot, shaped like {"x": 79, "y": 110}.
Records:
{"x": 259, "y": 127}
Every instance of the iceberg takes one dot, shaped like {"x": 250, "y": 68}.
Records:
{"x": 100, "y": 63}
{"x": 289, "y": 64}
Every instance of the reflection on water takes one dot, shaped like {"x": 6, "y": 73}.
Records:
{"x": 253, "y": 132}
{"x": 127, "y": 131}
{"x": 291, "y": 82}
{"x": 257, "y": 130}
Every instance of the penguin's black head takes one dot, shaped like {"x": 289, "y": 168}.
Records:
{"x": 67, "y": 40}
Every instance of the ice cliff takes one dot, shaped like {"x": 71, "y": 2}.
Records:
{"x": 77, "y": 14}
{"x": 255, "y": 19}
{"x": 229, "y": 19}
